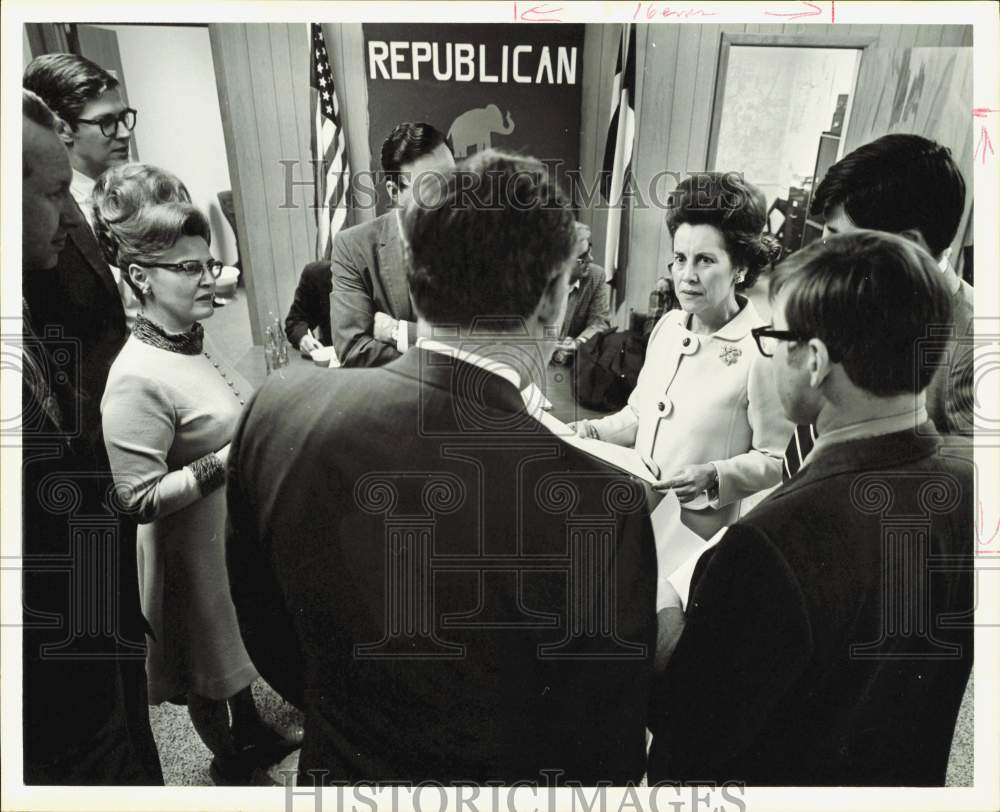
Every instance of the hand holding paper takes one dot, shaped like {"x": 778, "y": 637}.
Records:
{"x": 690, "y": 481}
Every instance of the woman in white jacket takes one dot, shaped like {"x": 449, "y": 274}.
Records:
{"x": 705, "y": 409}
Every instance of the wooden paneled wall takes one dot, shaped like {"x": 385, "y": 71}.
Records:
{"x": 676, "y": 76}
{"x": 262, "y": 71}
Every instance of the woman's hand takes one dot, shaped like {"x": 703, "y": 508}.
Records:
{"x": 690, "y": 481}
{"x": 584, "y": 429}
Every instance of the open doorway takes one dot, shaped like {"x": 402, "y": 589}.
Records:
{"x": 781, "y": 120}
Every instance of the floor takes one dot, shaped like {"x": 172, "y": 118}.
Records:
{"x": 185, "y": 759}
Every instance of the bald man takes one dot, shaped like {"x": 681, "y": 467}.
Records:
{"x": 85, "y": 720}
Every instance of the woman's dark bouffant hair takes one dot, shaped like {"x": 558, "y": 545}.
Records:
{"x": 737, "y": 208}
{"x": 140, "y": 211}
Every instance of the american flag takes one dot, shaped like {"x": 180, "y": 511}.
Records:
{"x": 618, "y": 154}
{"x": 329, "y": 148}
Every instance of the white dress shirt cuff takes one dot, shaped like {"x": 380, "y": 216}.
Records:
{"x": 402, "y": 336}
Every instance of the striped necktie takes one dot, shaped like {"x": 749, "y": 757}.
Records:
{"x": 798, "y": 449}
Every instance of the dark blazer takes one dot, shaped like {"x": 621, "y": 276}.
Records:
{"x": 85, "y": 717}
{"x": 401, "y": 574}
{"x": 369, "y": 275}
{"x": 951, "y": 392}
{"x": 797, "y": 665}
{"x": 79, "y": 300}
{"x": 588, "y": 308}
{"x": 311, "y": 305}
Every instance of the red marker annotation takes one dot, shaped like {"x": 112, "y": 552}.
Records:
{"x": 982, "y": 112}
{"x": 984, "y": 144}
{"x": 653, "y": 10}
{"x": 537, "y": 14}
{"x": 814, "y": 11}
{"x": 980, "y": 529}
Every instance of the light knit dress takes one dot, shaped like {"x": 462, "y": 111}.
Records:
{"x": 165, "y": 407}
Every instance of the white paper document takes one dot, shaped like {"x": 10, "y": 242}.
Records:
{"x": 680, "y": 578}
{"x": 628, "y": 459}
{"x": 535, "y": 400}
{"x": 678, "y": 548}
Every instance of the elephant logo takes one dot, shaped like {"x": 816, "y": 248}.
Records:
{"x": 473, "y": 130}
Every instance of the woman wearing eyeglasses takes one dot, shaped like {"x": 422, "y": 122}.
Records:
{"x": 705, "y": 409}
{"x": 168, "y": 412}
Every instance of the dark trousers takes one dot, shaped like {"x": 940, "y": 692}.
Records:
{"x": 122, "y": 752}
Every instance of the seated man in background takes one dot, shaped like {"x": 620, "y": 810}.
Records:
{"x": 463, "y": 641}
{"x": 910, "y": 186}
{"x": 370, "y": 308}
{"x": 828, "y": 637}
{"x": 588, "y": 306}
{"x": 307, "y": 324}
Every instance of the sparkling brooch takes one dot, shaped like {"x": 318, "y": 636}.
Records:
{"x": 730, "y": 354}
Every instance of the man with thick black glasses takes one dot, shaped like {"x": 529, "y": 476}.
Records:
{"x": 96, "y": 125}
{"x": 827, "y": 640}
{"x": 908, "y": 185}
{"x": 82, "y": 297}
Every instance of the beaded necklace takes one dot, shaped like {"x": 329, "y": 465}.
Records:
{"x": 188, "y": 343}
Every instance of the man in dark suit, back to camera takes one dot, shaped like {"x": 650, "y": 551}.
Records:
{"x": 828, "y": 637}
{"x": 448, "y": 590}
{"x": 371, "y": 313}
{"x": 85, "y": 717}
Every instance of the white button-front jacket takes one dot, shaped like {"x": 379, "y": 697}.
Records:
{"x": 706, "y": 398}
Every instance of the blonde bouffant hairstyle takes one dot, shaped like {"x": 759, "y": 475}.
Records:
{"x": 140, "y": 211}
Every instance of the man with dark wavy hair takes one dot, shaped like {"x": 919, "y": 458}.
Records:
{"x": 472, "y": 552}
{"x": 371, "y": 315}
{"x": 89, "y": 308}
{"x": 828, "y": 637}
{"x": 94, "y": 124}
{"x": 911, "y": 186}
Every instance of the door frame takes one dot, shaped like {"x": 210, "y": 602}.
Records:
{"x": 859, "y": 42}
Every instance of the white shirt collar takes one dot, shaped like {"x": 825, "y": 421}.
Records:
{"x": 904, "y": 421}
{"x": 534, "y": 399}
{"x": 81, "y": 188}
{"x": 489, "y": 364}
{"x": 575, "y": 285}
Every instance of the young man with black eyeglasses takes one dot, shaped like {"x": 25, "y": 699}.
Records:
{"x": 826, "y": 639}
{"x": 95, "y": 125}
{"x": 82, "y": 297}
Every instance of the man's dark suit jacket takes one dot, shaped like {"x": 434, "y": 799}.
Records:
{"x": 85, "y": 717}
{"x": 829, "y": 634}
{"x": 369, "y": 276}
{"x": 411, "y": 576}
{"x": 311, "y": 305}
{"x": 80, "y": 299}
{"x": 588, "y": 306}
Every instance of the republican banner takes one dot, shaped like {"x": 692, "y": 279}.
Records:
{"x": 515, "y": 87}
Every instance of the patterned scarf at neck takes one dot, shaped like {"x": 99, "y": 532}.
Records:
{"x": 149, "y": 332}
